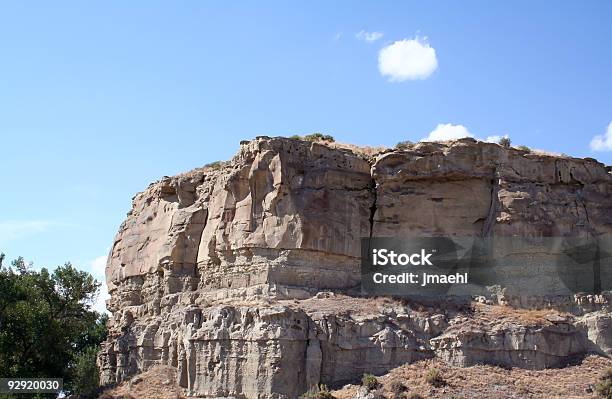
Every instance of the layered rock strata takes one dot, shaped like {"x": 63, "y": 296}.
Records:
{"x": 216, "y": 271}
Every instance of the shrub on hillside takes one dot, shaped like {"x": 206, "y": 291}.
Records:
{"x": 434, "y": 377}
{"x": 523, "y": 148}
{"x": 604, "y": 386}
{"x": 370, "y": 382}
{"x": 318, "y": 392}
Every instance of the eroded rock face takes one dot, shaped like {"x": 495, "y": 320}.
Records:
{"x": 512, "y": 344}
{"x": 282, "y": 214}
{"x": 483, "y": 189}
{"x": 265, "y": 350}
{"x": 599, "y": 329}
{"x": 212, "y": 270}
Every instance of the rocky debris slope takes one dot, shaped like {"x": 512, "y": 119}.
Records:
{"x": 486, "y": 382}
{"x": 245, "y": 276}
{"x": 158, "y": 382}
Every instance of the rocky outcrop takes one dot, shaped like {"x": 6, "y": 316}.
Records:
{"x": 468, "y": 188}
{"x": 254, "y": 350}
{"x": 525, "y": 345}
{"x": 598, "y": 326}
{"x": 216, "y": 271}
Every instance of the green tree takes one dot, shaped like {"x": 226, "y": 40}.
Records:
{"x": 85, "y": 376}
{"x": 505, "y": 142}
{"x": 47, "y": 325}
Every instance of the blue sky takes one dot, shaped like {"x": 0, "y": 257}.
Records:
{"x": 98, "y": 99}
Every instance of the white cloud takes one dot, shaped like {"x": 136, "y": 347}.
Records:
{"x": 448, "y": 131}
{"x": 97, "y": 269}
{"x": 98, "y": 265}
{"x": 408, "y": 59}
{"x": 495, "y": 138}
{"x": 14, "y": 229}
{"x": 603, "y": 142}
{"x": 103, "y": 295}
{"x": 369, "y": 37}
{"x": 338, "y": 36}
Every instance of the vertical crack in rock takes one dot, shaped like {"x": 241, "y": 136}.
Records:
{"x": 197, "y": 239}
{"x": 487, "y": 227}
{"x": 373, "y": 189}
{"x": 373, "y": 207}
{"x": 579, "y": 201}
{"x": 580, "y": 198}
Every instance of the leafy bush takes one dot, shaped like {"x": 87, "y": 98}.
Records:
{"x": 215, "y": 165}
{"x": 318, "y": 392}
{"x": 523, "y": 148}
{"x": 85, "y": 374}
{"x": 319, "y": 137}
{"x": 296, "y": 137}
{"x": 404, "y": 145}
{"x": 370, "y": 382}
{"x": 604, "y": 386}
{"x": 433, "y": 377}
{"x": 505, "y": 142}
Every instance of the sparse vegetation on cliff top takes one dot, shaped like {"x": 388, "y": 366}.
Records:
{"x": 216, "y": 165}
{"x": 505, "y": 142}
{"x": 404, "y": 145}
{"x": 314, "y": 137}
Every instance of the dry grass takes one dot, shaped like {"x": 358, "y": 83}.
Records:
{"x": 486, "y": 382}
{"x": 527, "y": 317}
{"x": 341, "y": 304}
{"x": 159, "y": 382}
{"x": 368, "y": 151}
{"x": 489, "y": 382}
{"x": 548, "y": 153}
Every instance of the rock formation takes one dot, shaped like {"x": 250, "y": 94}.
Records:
{"x": 245, "y": 276}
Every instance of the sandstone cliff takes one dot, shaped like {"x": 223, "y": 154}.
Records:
{"x": 245, "y": 276}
